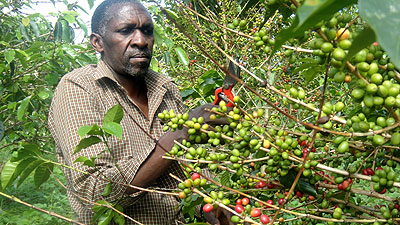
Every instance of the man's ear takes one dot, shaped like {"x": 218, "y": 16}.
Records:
{"x": 97, "y": 42}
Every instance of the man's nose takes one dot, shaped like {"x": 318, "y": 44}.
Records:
{"x": 138, "y": 39}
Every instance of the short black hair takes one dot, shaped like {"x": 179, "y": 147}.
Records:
{"x": 101, "y": 15}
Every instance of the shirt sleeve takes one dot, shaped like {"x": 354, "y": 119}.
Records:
{"x": 74, "y": 106}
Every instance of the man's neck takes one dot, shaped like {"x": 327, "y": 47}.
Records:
{"x": 137, "y": 91}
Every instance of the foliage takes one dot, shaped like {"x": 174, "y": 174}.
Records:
{"x": 319, "y": 105}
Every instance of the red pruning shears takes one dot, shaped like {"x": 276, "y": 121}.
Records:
{"x": 225, "y": 92}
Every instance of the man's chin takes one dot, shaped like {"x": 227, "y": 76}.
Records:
{"x": 137, "y": 71}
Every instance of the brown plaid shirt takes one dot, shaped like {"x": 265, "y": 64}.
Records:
{"x": 82, "y": 97}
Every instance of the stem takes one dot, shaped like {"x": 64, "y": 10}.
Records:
{"x": 15, "y": 199}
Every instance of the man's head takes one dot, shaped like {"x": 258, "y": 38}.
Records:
{"x": 123, "y": 35}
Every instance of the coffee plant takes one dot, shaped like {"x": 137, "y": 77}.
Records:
{"x": 313, "y": 136}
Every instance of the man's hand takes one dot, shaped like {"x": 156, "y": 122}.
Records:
{"x": 219, "y": 216}
{"x": 205, "y": 111}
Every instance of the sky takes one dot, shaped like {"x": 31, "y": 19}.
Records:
{"x": 45, "y": 7}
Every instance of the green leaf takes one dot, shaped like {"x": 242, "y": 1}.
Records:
{"x": 113, "y": 129}
{"x": 9, "y": 55}
{"x": 35, "y": 28}
{"x": 154, "y": 65}
{"x": 107, "y": 190}
{"x": 1, "y": 130}
{"x": 23, "y": 165}
{"x": 66, "y": 32}
{"x": 42, "y": 173}
{"x": 31, "y": 149}
{"x": 302, "y": 185}
{"x": 172, "y": 14}
{"x": 115, "y": 114}
{"x": 69, "y": 18}
{"x": 225, "y": 178}
{"x": 183, "y": 58}
{"x": 304, "y": 66}
{"x": 308, "y": 15}
{"x": 95, "y": 130}
{"x": 90, "y": 2}
{"x": 31, "y": 167}
{"x": 361, "y": 41}
{"x": 58, "y": 31}
{"x": 43, "y": 95}
{"x": 83, "y": 130}
{"x": 384, "y": 20}
{"x": 159, "y": 35}
{"x": 86, "y": 161}
{"x": 106, "y": 217}
{"x": 209, "y": 74}
{"x": 99, "y": 208}
{"x": 24, "y": 32}
{"x": 187, "y": 92}
{"x": 86, "y": 142}
{"x": 7, "y": 174}
{"x": 118, "y": 218}
{"x": 82, "y": 25}
{"x": 22, "y": 108}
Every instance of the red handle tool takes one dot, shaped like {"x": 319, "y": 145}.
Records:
{"x": 225, "y": 92}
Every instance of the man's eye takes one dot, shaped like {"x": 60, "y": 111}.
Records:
{"x": 124, "y": 31}
{"x": 148, "y": 31}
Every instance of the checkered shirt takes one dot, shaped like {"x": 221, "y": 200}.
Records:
{"x": 82, "y": 97}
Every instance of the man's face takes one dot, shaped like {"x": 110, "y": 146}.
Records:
{"x": 128, "y": 39}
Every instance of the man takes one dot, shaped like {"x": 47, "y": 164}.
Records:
{"x": 123, "y": 35}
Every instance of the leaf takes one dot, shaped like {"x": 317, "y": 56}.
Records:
{"x": 9, "y": 55}
{"x": 384, "y": 20}
{"x": 106, "y": 217}
{"x": 310, "y": 73}
{"x": 22, "y": 108}
{"x": 86, "y": 142}
{"x": 107, "y": 190}
{"x": 58, "y": 30}
{"x": 209, "y": 74}
{"x": 42, "y": 173}
{"x": 83, "y": 130}
{"x": 1, "y": 130}
{"x": 94, "y": 130}
{"x": 154, "y": 65}
{"x": 69, "y": 18}
{"x": 187, "y": 92}
{"x": 183, "y": 58}
{"x": 24, "y": 32}
{"x": 114, "y": 114}
{"x": 302, "y": 185}
{"x": 44, "y": 95}
{"x": 25, "y": 21}
{"x": 304, "y": 66}
{"x": 362, "y": 40}
{"x": 82, "y": 25}
{"x": 90, "y": 2}
{"x": 31, "y": 149}
{"x": 23, "y": 165}
{"x": 7, "y": 174}
{"x": 86, "y": 161}
{"x": 31, "y": 167}
{"x": 308, "y": 15}
{"x": 113, "y": 129}
{"x": 35, "y": 28}
{"x": 118, "y": 218}
{"x": 172, "y": 14}
{"x": 66, "y": 35}
{"x": 225, "y": 178}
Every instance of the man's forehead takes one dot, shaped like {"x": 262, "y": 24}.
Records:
{"x": 127, "y": 8}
